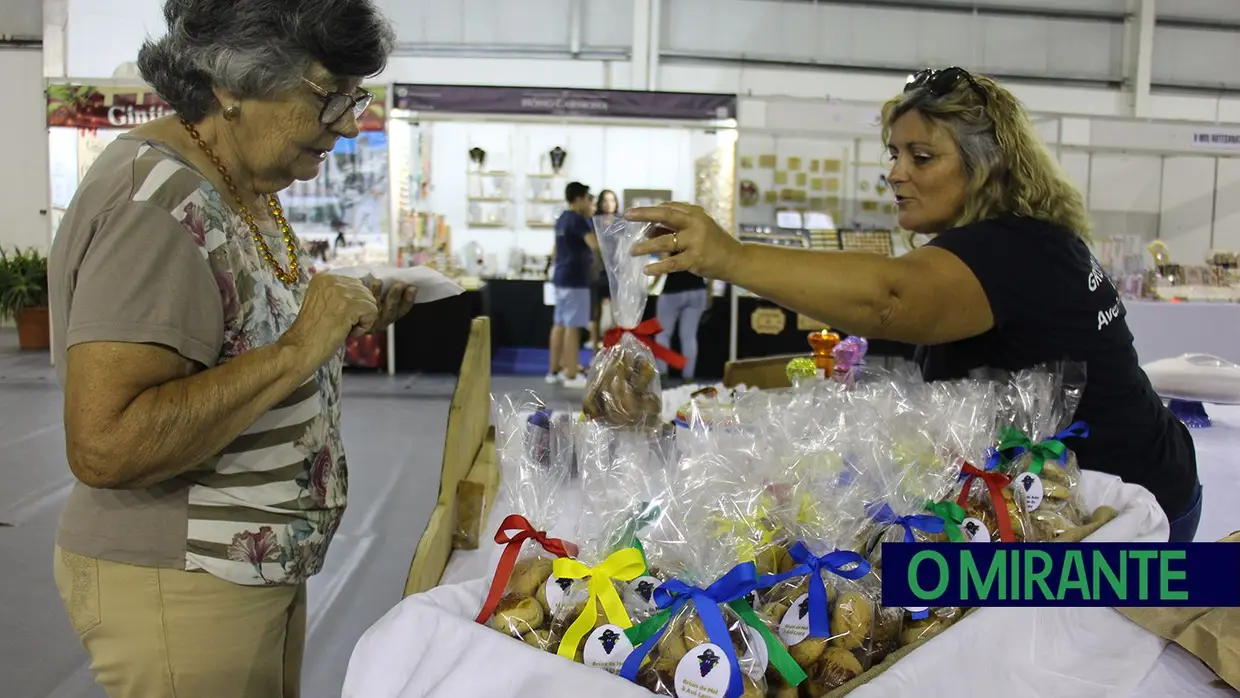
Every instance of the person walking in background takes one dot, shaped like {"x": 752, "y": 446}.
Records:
{"x": 600, "y": 291}
{"x": 680, "y": 306}
{"x": 574, "y": 266}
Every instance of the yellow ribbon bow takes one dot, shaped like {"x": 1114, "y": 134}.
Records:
{"x": 624, "y": 565}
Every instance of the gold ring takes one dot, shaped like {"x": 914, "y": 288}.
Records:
{"x": 676, "y": 242}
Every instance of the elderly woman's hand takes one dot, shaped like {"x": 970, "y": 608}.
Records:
{"x": 394, "y": 304}
{"x": 693, "y": 239}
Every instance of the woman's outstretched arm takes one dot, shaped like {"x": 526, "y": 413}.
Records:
{"x": 928, "y": 296}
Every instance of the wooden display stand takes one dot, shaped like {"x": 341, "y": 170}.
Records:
{"x": 470, "y": 475}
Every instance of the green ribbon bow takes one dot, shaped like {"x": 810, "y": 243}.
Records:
{"x": 777, "y": 654}
{"x": 952, "y": 514}
{"x": 1012, "y": 438}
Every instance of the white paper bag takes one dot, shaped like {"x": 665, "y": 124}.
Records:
{"x": 432, "y": 286}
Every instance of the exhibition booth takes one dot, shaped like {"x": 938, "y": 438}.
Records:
{"x": 341, "y": 217}
{"x": 480, "y": 175}
{"x": 822, "y": 188}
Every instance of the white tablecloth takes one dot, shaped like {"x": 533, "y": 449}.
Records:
{"x": 427, "y": 646}
{"x": 1163, "y": 330}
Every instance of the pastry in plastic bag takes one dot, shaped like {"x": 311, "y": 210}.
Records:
{"x": 517, "y": 601}
{"x": 623, "y": 387}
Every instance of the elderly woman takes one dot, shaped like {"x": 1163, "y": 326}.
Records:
{"x": 201, "y": 365}
{"x": 1008, "y": 280}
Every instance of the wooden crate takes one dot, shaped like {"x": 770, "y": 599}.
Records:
{"x": 766, "y": 373}
{"x": 467, "y": 453}
{"x": 474, "y": 497}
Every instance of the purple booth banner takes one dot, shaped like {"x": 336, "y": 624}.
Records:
{"x": 624, "y": 104}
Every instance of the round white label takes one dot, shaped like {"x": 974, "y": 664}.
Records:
{"x": 606, "y": 648}
{"x": 757, "y": 657}
{"x": 795, "y": 624}
{"x": 975, "y": 531}
{"x": 557, "y": 590}
{"x": 643, "y": 588}
{"x": 703, "y": 673}
{"x": 1029, "y": 486}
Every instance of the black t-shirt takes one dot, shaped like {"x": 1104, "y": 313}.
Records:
{"x": 679, "y": 281}
{"x": 1051, "y": 301}
{"x": 573, "y": 256}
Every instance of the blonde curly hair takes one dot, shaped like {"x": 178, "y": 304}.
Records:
{"x": 1008, "y": 168}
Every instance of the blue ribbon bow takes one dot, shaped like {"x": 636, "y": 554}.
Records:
{"x": 1078, "y": 430}
{"x": 672, "y": 595}
{"x": 928, "y": 523}
{"x": 812, "y": 565}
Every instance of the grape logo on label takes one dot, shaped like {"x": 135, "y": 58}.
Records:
{"x": 707, "y": 661}
{"x": 803, "y": 609}
{"x": 609, "y": 638}
{"x": 564, "y": 584}
{"x": 645, "y": 590}
{"x": 971, "y": 528}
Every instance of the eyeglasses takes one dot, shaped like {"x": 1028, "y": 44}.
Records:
{"x": 941, "y": 82}
{"x": 335, "y": 104}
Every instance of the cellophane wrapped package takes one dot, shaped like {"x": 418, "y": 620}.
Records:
{"x": 953, "y": 421}
{"x": 1045, "y": 474}
{"x": 706, "y": 639}
{"x": 533, "y": 480}
{"x": 993, "y": 512}
{"x": 623, "y": 475}
{"x": 824, "y": 604}
{"x": 623, "y": 387}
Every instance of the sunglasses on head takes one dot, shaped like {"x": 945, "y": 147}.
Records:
{"x": 941, "y": 82}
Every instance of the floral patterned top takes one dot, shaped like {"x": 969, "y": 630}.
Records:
{"x": 264, "y": 509}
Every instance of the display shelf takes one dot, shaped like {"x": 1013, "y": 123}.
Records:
{"x": 489, "y": 198}
{"x": 539, "y": 224}
{"x": 545, "y": 201}
{"x": 481, "y": 224}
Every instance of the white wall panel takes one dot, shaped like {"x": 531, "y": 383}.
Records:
{"x": 1227, "y": 207}
{"x": 24, "y": 188}
{"x": 876, "y": 36}
{"x": 1205, "y": 10}
{"x": 22, "y": 18}
{"x": 1124, "y": 194}
{"x": 1098, "y": 6}
{"x": 1203, "y": 58}
{"x": 607, "y": 23}
{"x": 1076, "y": 166}
{"x": 1187, "y": 208}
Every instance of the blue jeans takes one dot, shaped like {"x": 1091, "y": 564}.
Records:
{"x": 683, "y": 309}
{"x": 1184, "y": 526}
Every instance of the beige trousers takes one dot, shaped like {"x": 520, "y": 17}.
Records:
{"x": 163, "y": 633}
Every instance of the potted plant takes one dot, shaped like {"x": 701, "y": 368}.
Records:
{"x": 23, "y": 296}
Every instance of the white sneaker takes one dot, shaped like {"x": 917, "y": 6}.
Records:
{"x": 577, "y": 382}
{"x": 553, "y": 378}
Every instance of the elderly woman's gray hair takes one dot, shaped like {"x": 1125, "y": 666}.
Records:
{"x": 258, "y": 48}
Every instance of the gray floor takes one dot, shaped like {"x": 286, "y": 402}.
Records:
{"x": 393, "y": 430}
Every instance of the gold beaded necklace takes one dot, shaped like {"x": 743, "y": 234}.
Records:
{"x": 277, "y": 212}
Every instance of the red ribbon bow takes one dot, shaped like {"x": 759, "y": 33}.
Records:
{"x": 995, "y": 482}
{"x": 513, "y": 532}
{"x": 646, "y": 333}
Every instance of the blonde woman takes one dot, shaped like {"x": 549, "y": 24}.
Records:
{"x": 1008, "y": 280}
